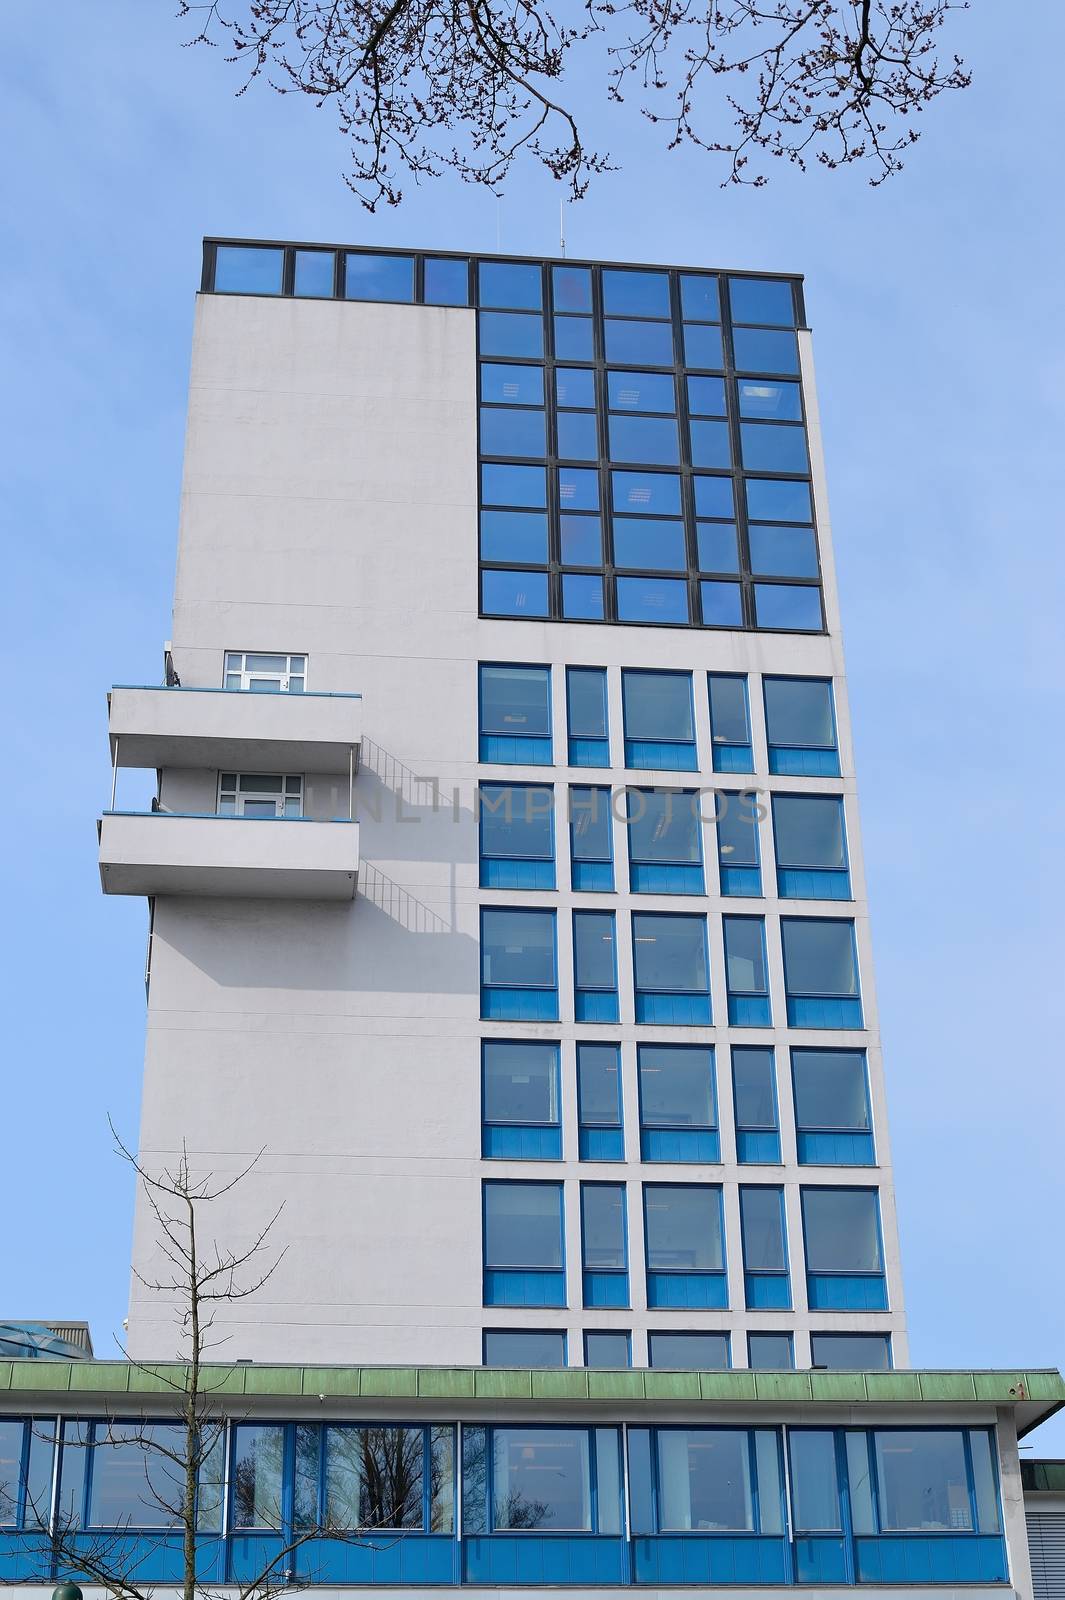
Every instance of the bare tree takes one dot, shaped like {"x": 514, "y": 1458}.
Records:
{"x": 421, "y": 86}
{"x": 181, "y": 1462}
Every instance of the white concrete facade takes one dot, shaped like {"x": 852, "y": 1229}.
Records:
{"x": 330, "y": 508}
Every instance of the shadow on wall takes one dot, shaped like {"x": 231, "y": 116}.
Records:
{"x": 410, "y": 816}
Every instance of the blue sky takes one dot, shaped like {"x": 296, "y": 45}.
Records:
{"x": 936, "y": 307}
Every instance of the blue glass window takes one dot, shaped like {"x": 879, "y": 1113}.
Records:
{"x": 814, "y": 1481}
{"x": 844, "y": 1258}
{"x": 761, "y": 397}
{"x": 782, "y": 552}
{"x": 574, "y": 339}
{"x": 521, "y": 1118}
{"x": 852, "y": 1352}
{"x": 672, "y": 967}
{"x": 642, "y": 391}
{"x": 511, "y": 285}
{"x": 599, "y": 1102}
{"x": 517, "y": 835}
{"x": 730, "y": 722}
{"x": 641, "y": 343}
{"x": 788, "y": 607}
{"x": 770, "y": 1352}
{"x": 754, "y": 1101}
{"x": 512, "y": 593}
{"x": 447, "y": 281}
{"x": 578, "y": 488}
{"x": 635, "y": 294}
{"x": 717, "y": 1481}
{"x": 778, "y": 500}
{"x": 248, "y": 269}
{"x": 558, "y": 1480}
{"x": 595, "y": 968}
{"x": 703, "y": 347}
{"x": 603, "y": 1244}
{"x": 688, "y": 1352}
{"x": 575, "y": 388}
{"x": 811, "y": 847}
{"x": 653, "y": 542}
{"x": 607, "y": 1350}
{"x": 773, "y": 447}
{"x": 648, "y": 494}
{"x": 718, "y": 551}
{"x": 503, "y": 485}
{"x": 511, "y": 333}
{"x": 506, "y": 431}
{"x": 746, "y": 972}
{"x": 515, "y": 714}
{"x": 765, "y": 1250}
{"x": 833, "y": 1122}
{"x": 131, "y": 1483}
{"x": 582, "y": 539}
{"x": 506, "y": 383}
{"x": 765, "y": 300}
{"x": 713, "y": 498}
{"x": 661, "y": 600}
{"x": 589, "y": 743}
{"x": 821, "y": 973}
{"x": 737, "y": 843}
{"x": 315, "y": 270}
{"x": 26, "y": 1473}
{"x": 257, "y": 1475}
{"x": 514, "y": 536}
{"x": 524, "y": 1347}
{"x": 706, "y": 397}
{"x": 678, "y": 1103}
{"x": 665, "y": 841}
{"x": 582, "y": 596}
{"x": 578, "y": 435}
{"x": 591, "y": 840}
{"x": 721, "y": 604}
{"x": 519, "y": 969}
{"x": 572, "y": 287}
{"x": 699, "y": 299}
{"x": 685, "y": 1245}
{"x": 801, "y": 727}
{"x": 646, "y": 439}
{"x": 659, "y": 720}
{"x": 710, "y": 444}
{"x": 523, "y": 1259}
{"x": 759, "y": 350}
{"x": 376, "y": 277}
{"x": 922, "y": 1478}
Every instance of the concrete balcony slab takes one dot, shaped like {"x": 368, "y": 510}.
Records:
{"x": 288, "y": 858}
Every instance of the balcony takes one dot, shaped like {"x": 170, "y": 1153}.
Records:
{"x": 229, "y": 728}
{"x": 289, "y": 858}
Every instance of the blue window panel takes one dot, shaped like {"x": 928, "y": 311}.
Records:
{"x": 801, "y": 727}
{"x": 788, "y": 606}
{"x": 710, "y": 444}
{"x": 676, "y": 1010}
{"x": 574, "y": 339}
{"x": 940, "y": 1558}
{"x": 749, "y": 1011}
{"x": 805, "y": 883}
{"x": 572, "y": 288}
{"x": 691, "y": 1561}
{"x": 575, "y": 388}
{"x": 772, "y": 447}
{"x": 758, "y": 1145}
{"x": 767, "y": 1291}
{"x": 780, "y": 401}
{"x": 641, "y": 754}
{"x": 706, "y": 397}
{"x": 762, "y": 300}
{"x": 595, "y": 1005}
{"x": 722, "y": 605}
{"x": 578, "y": 488}
{"x": 629, "y": 293}
{"x": 505, "y": 485}
{"x": 703, "y": 347}
{"x": 699, "y": 297}
{"x": 646, "y": 439}
{"x": 641, "y": 391}
{"x": 578, "y": 436}
{"x": 601, "y": 1144}
{"x": 836, "y": 1149}
{"x": 589, "y": 753}
{"x": 447, "y": 282}
{"x": 596, "y": 877}
{"x": 377, "y": 277}
{"x": 514, "y": 594}
{"x": 646, "y": 494}
{"x": 824, "y": 1012}
{"x": 718, "y": 550}
{"x": 519, "y": 1005}
{"x": 502, "y": 1141}
{"x": 820, "y": 1560}
{"x": 639, "y": 343}
{"x": 782, "y": 552}
{"x": 406, "y": 1558}
{"x": 687, "y": 1291}
{"x": 802, "y": 763}
{"x": 515, "y": 715}
{"x": 514, "y": 536}
{"x": 778, "y": 500}
{"x": 505, "y": 383}
{"x": 582, "y": 596}
{"x": 730, "y": 722}
{"x": 513, "y": 750}
{"x": 314, "y": 274}
{"x": 517, "y": 1287}
{"x": 655, "y": 879}
{"x": 559, "y": 1560}
{"x": 758, "y": 350}
{"x": 508, "y": 333}
{"x": 606, "y": 1289}
{"x": 680, "y": 1144}
{"x": 247, "y": 269}
{"x": 734, "y": 758}
{"x": 743, "y": 881}
{"x": 591, "y": 838}
{"x": 654, "y": 543}
{"x": 586, "y": 707}
{"x": 659, "y": 720}
{"x": 515, "y": 285}
{"x": 713, "y": 497}
{"x": 821, "y": 973}
{"x": 660, "y": 600}
{"x": 827, "y": 1291}
{"x": 581, "y": 537}
{"x": 517, "y": 874}
{"x": 510, "y": 431}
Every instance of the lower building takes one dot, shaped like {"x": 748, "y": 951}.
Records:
{"x": 430, "y": 1478}
{"x": 1044, "y": 1505}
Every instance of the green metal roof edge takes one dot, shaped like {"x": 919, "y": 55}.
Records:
{"x": 1000, "y": 1387}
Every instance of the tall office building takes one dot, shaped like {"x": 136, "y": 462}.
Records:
{"x": 505, "y": 876}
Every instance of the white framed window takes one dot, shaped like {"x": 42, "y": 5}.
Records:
{"x": 265, "y": 674}
{"x": 260, "y": 794}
